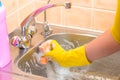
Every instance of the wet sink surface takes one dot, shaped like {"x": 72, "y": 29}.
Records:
{"x": 29, "y": 63}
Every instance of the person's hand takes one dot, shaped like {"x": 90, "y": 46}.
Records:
{"x": 70, "y": 58}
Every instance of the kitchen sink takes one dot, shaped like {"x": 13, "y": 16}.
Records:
{"x": 29, "y": 62}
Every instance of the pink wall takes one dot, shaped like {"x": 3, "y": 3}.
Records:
{"x": 90, "y": 14}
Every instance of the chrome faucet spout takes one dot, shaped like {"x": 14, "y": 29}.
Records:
{"x": 28, "y": 27}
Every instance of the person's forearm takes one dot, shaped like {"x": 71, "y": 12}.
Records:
{"x": 107, "y": 43}
{"x": 102, "y": 46}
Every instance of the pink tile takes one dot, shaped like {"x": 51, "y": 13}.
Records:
{"x": 103, "y": 20}
{"x": 76, "y": 16}
{"x": 105, "y": 4}
{"x": 23, "y": 2}
{"x": 85, "y": 3}
{"x": 11, "y": 5}
{"x": 54, "y": 15}
{"x": 12, "y": 22}
{"x": 80, "y": 17}
{"x": 24, "y": 12}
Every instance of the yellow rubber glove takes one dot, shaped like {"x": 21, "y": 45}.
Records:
{"x": 115, "y": 30}
{"x": 73, "y": 57}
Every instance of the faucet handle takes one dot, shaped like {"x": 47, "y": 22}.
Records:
{"x": 15, "y": 41}
{"x": 21, "y": 42}
{"x": 32, "y": 30}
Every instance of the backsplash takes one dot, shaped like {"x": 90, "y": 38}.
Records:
{"x": 90, "y": 14}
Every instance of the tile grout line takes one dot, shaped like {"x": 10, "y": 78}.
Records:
{"x": 62, "y": 17}
{"x": 98, "y": 9}
{"x": 92, "y": 15}
{"x": 20, "y": 8}
{"x": 18, "y": 16}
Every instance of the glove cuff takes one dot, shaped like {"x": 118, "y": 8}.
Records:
{"x": 75, "y": 57}
{"x": 80, "y": 51}
{"x": 116, "y": 34}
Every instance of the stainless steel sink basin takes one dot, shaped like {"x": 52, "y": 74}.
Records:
{"x": 104, "y": 69}
{"x": 29, "y": 62}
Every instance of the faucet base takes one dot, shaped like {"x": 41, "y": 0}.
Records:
{"x": 45, "y": 34}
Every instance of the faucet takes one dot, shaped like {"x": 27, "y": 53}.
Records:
{"x": 46, "y": 27}
{"x": 28, "y": 27}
